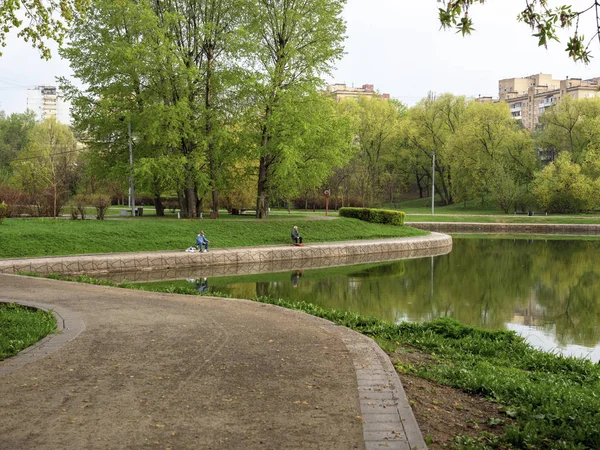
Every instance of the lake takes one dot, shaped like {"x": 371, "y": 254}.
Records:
{"x": 546, "y": 290}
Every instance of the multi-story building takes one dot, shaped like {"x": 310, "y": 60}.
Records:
{"x": 46, "y": 102}
{"x": 340, "y": 91}
{"x": 529, "y": 97}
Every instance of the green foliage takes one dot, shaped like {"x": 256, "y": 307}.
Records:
{"x": 561, "y": 187}
{"x": 46, "y": 166}
{"x": 571, "y": 125}
{"x": 14, "y": 136}
{"x": 377, "y": 123}
{"x": 81, "y": 201}
{"x": 490, "y": 154}
{"x": 372, "y": 215}
{"x": 101, "y": 202}
{"x": 432, "y": 123}
{"x": 21, "y": 327}
{"x": 43, "y": 20}
{"x": 3, "y": 211}
{"x": 311, "y": 139}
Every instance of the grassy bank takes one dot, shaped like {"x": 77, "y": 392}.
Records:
{"x": 551, "y": 400}
{"x": 45, "y": 237}
{"x": 523, "y": 236}
{"x": 556, "y": 219}
{"x": 21, "y": 327}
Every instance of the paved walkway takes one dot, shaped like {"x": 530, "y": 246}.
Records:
{"x": 135, "y": 369}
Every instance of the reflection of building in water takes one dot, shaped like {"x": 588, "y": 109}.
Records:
{"x": 532, "y": 314}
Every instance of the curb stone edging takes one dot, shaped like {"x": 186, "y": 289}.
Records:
{"x": 68, "y": 327}
{"x": 274, "y": 254}
{"x": 387, "y": 418}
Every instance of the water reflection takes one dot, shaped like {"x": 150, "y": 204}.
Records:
{"x": 546, "y": 290}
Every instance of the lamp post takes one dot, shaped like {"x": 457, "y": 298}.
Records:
{"x": 432, "y": 183}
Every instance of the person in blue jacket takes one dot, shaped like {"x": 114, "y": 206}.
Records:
{"x": 202, "y": 241}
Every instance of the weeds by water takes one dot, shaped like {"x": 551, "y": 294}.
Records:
{"x": 21, "y": 327}
{"x": 552, "y": 399}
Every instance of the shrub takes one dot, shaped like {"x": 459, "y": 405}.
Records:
{"x": 3, "y": 211}
{"x": 74, "y": 213}
{"x": 101, "y": 202}
{"x": 383, "y": 216}
{"x": 80, "y": 201}
{"x": 15, "y": 200}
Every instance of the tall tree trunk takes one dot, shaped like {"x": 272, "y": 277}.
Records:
{"x": 212, "y": 163}
{"x": 183, "y": 211}
{"x": 160, "y": 209}
{"x": 55, "y": 194}
{"x": 262, "y": 199}
{"x": 190, "y": 194}
{"x": 419, "y": 184}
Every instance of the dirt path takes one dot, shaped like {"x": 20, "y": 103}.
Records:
{"x": 168, "y": 371}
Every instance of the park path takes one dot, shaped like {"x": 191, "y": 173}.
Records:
{"x": 138, "y": 369}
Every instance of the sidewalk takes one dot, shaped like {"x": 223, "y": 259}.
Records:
{"x": 152, "y": 370}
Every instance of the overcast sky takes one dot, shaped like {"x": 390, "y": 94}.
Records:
{"x": 396, "y": 45}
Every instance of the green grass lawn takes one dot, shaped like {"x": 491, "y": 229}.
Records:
{"x": 21, "y": 327}
{"x": 45, "y": 237}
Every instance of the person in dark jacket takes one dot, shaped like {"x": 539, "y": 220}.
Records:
{"x": 296, "y": 235}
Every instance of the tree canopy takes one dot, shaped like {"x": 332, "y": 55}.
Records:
{"x": 38, "y": 21}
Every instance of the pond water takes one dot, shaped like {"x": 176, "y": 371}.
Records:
{"x": 546, "y": 290}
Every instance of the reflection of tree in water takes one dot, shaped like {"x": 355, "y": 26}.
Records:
{"x": 478, "y": 283}
{"x": 262, "y": 288}
{"x": 568, "y": 288}
{"x": 483, "y": 282}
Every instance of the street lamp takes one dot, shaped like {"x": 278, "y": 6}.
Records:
{"x": 131, "y": 188}
{"x": 432, "y": 183}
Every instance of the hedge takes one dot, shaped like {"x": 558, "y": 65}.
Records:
{"x": 385, "y": 216}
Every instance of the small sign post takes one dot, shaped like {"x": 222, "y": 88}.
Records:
{"x": 326, "y": 194}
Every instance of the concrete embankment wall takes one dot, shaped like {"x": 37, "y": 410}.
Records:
{"x": 525, "y": 228}
{"x": 347, "y": 252}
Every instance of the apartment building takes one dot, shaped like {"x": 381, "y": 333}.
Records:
{"x": 45, "y": 102}
{"x": 340, "y": 91}
{"x": 529, "y": 97}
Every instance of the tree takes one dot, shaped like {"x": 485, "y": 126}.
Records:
{"x": 490, "y": 154}
{"x": 431, "y": 123}
{"x": 44, "y": 20}
{"x": 561, "y": 187}
{"x": 571, "y": 125}
{"x": 378, "y": 128}
{"x": 313, "y": 138}
{"x": 297, "y": 42}
{"x": 47, "y": 163}
{"x": 14, "y": 135}
{"x": 175, "y": 71}
{"x": 543, "y": 20}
